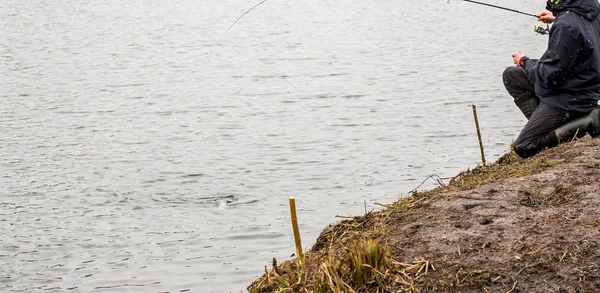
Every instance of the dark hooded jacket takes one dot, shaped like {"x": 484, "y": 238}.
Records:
{"x": 567, "y": 76}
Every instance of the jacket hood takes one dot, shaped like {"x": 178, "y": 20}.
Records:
{"x": 589, "y": 9}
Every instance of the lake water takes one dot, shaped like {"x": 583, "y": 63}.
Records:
{"x": 146, "y": 148}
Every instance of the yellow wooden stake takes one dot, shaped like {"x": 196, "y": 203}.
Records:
{"x": 478, "y": 134}
{"x": 296, "y": 230}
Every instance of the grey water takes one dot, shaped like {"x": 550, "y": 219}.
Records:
{"x": 146, "y": 148}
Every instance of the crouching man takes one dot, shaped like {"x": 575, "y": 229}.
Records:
{"x": 559, "y": 92}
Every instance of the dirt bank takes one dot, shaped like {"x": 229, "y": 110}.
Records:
{"x": 518, "y": 225}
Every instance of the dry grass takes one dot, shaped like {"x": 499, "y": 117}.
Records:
{"x": 561, "y": 194}
{"x": 508, "y": 166}
{"x": 364, "y": 265}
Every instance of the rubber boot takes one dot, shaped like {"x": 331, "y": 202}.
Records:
{"x": 527, "y": 103}
{"x": 594, "y": 127}
{"x": 578, "y": 127}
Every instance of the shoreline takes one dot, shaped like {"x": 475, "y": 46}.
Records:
{"x": 517, "y": 225}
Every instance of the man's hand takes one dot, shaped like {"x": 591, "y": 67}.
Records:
{"x": 546, "y": 17}
{"x": 517, "y": 57}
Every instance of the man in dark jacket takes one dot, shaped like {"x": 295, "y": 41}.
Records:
{"x": 559, "y": 92}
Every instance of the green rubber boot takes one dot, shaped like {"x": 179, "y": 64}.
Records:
{"x": 594, "y": 129}
{"x": 579, "y": 127}
{"x": 527, "y": 103}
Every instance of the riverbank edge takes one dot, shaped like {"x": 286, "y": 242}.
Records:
{"x": 517, "y": 225}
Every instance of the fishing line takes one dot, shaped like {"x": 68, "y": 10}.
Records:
{"x": 538, "y": 29}
{"x": 261, "y": 2}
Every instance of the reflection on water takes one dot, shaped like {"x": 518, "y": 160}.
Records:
{"x": 145, "y": 148}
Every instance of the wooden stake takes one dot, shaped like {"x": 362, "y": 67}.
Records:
{"x": 296, "y": 230}
{"x": 478, "y": 134}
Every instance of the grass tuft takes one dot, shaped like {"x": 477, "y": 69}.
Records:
{"x": 362, "y": 265}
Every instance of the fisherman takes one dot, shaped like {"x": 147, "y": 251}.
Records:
{"x": 559, "y": 92}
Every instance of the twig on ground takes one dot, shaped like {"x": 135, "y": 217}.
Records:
{"x": 513, "y": 287}
{"x": 437, "y": 179}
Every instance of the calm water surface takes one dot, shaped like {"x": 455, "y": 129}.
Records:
{"x": 145, "y": 148}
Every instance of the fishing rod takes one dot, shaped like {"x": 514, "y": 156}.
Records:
{"x": 500, "y": 7}
{"x": 538, "y": 28}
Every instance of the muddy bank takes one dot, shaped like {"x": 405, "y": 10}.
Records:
{"x": 518, "y": 225}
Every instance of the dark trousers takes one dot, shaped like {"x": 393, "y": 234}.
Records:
{"x": 538, "y": 134}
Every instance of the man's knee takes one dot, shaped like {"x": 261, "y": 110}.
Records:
{"x": 511, "y": 73}
{"x": 522, "y": 151}
{"x": 526, "y": 147}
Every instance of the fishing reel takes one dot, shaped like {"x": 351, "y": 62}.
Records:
{"x": 538, "y": 29}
